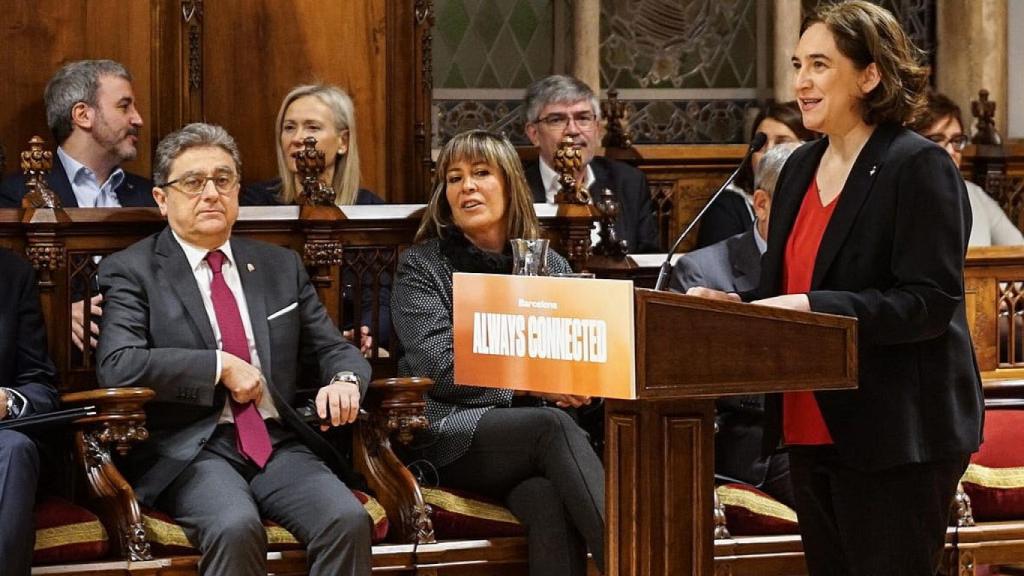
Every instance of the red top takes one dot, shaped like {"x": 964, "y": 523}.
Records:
{"x": 802, "y": 422}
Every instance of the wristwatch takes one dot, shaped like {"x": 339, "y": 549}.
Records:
{"x": 14, "y": 405}
{"x": 345, "y": 377}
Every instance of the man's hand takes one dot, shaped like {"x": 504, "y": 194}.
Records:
{"x": 365, "y": 339}
{"x": 788, "y": 301}
{"x": 702, "y": 292}
{"x": 78, "y": 322}
{"x": 342, "y": 399}
{"x": 3, "y": 404}
{"x": 564, "y": 400}
{"x": 243, "y": 380}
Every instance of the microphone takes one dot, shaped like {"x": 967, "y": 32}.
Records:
{"x": 666, "y": 267}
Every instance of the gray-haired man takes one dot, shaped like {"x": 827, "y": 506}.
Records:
{"x": 220, "y": 327}
{"x": 560, "y": 106}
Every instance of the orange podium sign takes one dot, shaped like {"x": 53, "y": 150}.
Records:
{"x": 545, "y": 334}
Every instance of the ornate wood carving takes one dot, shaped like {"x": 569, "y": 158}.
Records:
{"x": 617, "y": 134}
{"x": 119, "y": 423}
{"x": 984, "y": 110}
{"x": 36, "y": 163}
{"x": 965, "y": 563}
{"x": 310, "y": 164}
{"x": 322, "y": 253}
{"x": 394, "y": 407}
{"x": 962, "y": 502}
{"x": 46, "y": 257}
{"x": 610, "y": 245}
{"x": 424, "y": 12}
{"x": 721, "y": 530}
{"x": 192, "y": 14}
{"x": 568, "y": 163}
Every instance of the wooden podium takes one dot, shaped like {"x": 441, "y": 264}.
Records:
{"x": 659, "y": 449}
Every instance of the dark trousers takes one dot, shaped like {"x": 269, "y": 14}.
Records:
{"x": 539, "y": 462}
{"x": 19, "y": 475}
{"x": 221, "y": 496}
{"x": 886, "y": 522}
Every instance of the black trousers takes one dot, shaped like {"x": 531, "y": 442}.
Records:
{"x": 886, "y": 522}
{"x": 539, "y": 462}
{"x": 19, "y": 476}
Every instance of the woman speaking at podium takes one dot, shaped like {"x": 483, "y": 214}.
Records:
{"x": 872, "y": 222}
{"x": 493, "y": 441}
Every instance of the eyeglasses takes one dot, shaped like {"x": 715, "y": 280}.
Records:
{"x": 584, "y": 120}
{"x": 958, "y": 142}
{"x": 192, "y": 185}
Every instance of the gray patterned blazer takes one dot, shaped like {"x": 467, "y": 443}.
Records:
{"x": 421, "y": 309}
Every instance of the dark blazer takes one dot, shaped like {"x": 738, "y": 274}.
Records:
{"x": 134, "y": 191}
{"x": 267, "y": 193}
{"x": 156, "y": 333}
{"x": 892, "y": 256}
{"x": 727, "y": 216}
{"x": 636, "y": 222}
{"x": 732, "y": 265}
{"x": 24, "y": 361}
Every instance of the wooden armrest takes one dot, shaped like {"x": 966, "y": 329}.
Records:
{"x": 394, "y": 406}
{"x": 120, "y": 421}
{"x": 399, "y": 405}
{"x": 120, "y": 418}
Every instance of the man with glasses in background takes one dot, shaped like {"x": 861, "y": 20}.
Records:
{"x": 942, "y": 123}
{"x": 220, "y": 328}
{"x": 559, "y": 106}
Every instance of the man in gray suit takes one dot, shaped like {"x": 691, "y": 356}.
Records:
{"x": 734, "y": 265}
{"x": 219, "y": 327}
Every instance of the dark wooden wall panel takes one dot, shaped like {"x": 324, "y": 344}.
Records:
{"x": 254, "y": 51}
{"x": 39, "y": 36}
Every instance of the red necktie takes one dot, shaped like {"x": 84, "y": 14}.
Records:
{"x": 253, "y": 439}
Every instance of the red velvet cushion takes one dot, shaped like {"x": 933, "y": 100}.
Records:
{"x": 166, "y": 537}
{"x": 995, "y": 478}
{"x": 750, "y": 512}
{"x": 460, "y": 515}
{"x": 66, "y": 532}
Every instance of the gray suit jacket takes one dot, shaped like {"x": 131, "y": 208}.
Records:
{"x": 156, "y": 333}
{"x": 732, "y": 265}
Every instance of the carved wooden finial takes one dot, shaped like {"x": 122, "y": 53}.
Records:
{"x": 36, "y": 163}
{"x": 610, "y": 244}
{"x": 617, "y": 134}
{"x": 984, "y": 110}
{"x": 568, "y": 162}
{"x": 310, "y": 164}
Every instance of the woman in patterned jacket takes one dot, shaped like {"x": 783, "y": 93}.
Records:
{"x": 520, "y": 448}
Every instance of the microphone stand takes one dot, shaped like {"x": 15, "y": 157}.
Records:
{"x": 666, "y": 266}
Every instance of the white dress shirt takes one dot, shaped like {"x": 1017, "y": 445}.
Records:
{"x": 204, "y": 278}
{"x": 88, "y": 191}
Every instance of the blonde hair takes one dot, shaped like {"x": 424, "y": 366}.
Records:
{"x": 346, "y": 166}
{"x": 481, "y": 146}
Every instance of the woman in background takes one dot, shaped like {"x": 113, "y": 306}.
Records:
{"x": 492, "y": 441}
{"x": 326, "y": 113}
{"x": 733, "y": 213}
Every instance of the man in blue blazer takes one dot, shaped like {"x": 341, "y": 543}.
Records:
{"x": 559, "y": 106}
{"x": 90, "y": 109}
{"x": 26, "y": 388}
{"x": 224, "y": 330}
{"x": 734, "y": 265}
